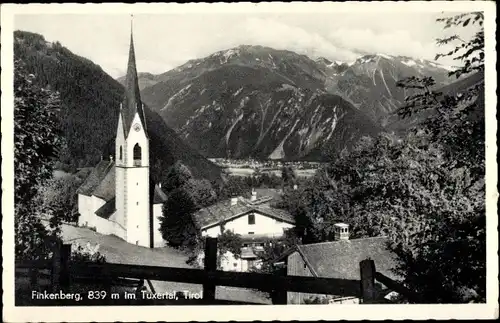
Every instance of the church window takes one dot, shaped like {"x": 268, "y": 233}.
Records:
{"x": 251, "y": 218}
{"x": 137, "y": 155}
{"x": 121, "y": 153}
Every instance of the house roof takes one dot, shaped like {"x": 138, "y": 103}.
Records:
{"x": 340, "y": 259}
{"x": 273, "y": 193}
{"x": 107, "y": 209}
{"x": 224, "y": 211}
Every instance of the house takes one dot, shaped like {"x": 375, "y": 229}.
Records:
{"x": 336, "y": 259}
{"x": 118, "y": 197}
{"x": 255, "y": 219}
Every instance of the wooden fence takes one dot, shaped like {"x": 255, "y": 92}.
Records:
{"x": 64, "y": 272}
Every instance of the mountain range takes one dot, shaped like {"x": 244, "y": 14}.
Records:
{"x": 255, "y": 101}
{"x": 248, "y": 101}
{"x": 90, "y": 102}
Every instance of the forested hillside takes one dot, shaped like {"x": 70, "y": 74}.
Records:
{"x": 90, "y": 100}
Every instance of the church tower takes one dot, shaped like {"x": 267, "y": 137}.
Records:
{"x": 132, "y": 161}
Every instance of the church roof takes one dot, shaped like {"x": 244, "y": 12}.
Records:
{"x": 106, "y": 189}
{"x": 101, "y": 183}
{"x": 132, "y": 102}
{"x": 95, "y": 177}
{"x": 159, "y": 196}
{"x": 107, "y": 209}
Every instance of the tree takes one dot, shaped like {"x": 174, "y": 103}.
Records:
{"x": 229, "y": 241}
{"x": 176, "y": 224}
{"x": 177, "y": 176}
{"x": 57, "y": 200}
{"x": 201, "y": 192}
{"x": 288, "y": 175}
{"x": 273, "y": 249}
{"x": 424, "y": 191}
{"x": 36, "y": 142}
{"x": 446, "y": 245}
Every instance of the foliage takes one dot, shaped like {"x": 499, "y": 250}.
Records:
{"x": 229, "y": 241}
{"x": 36, "y": 142}
{"x": 320, "y": 299}
{"x": 176, "y": 224}
{"x": 236, "y": 186}
{"x": 58, "y": 201}
{"x": 471, "y": 52}
{"x": 86, "y": 91}
{"x": 201, "y": 191}
{"x": 275, "y": 249}
{"x": 186, "y": 195}
{"x": 177, "y": 176}
{"x": 86, "y": 253}
{"x": 288, "y": 175}
{"x": 424, "y": 191}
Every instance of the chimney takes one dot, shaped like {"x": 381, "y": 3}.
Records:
{"x": 341, "y": 231}
{"x": 234, "y": 200}
{"x": 254, "y": 196}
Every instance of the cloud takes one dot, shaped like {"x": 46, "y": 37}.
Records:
{"x": 397, "y": 42}
{"x": 269, "y": 32}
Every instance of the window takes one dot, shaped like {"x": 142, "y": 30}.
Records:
{"x": 137, "y": 155}
{"x": 137, "y": 203}
{"x": 121, "y": 153}
{"x": 251, "y": 218}
{"x": 137, "y": 227}
{"x": 235, "y": 264}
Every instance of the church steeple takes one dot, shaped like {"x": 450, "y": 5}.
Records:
{"x": 132, "y": 103}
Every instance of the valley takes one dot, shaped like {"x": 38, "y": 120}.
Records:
{"x": 252, "y": 167}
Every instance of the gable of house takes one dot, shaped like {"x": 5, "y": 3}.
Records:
{"x": 225, "y": 211}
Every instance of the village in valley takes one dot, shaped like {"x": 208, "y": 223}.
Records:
{"x": 333, "y": 198}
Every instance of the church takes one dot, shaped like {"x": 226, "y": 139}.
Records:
{"x": 118, "y": 197}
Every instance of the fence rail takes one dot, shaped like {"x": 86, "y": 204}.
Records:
{"x": 64, "y": 272}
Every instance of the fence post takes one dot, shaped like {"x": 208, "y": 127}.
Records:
{"x": 367, "y": 273}
{"x": 210, "y": 265}
{"x": 56, "y": 268}
{"x": 60, "y": 267}
{"x": 65, "y": 274}
{"x": 279, "y": 296}
{"x": 33, "y": 272}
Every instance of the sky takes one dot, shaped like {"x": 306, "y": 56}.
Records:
{"x": 165, "y": 41}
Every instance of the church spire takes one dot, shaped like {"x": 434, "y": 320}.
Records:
{"x": 132, "y": 103}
